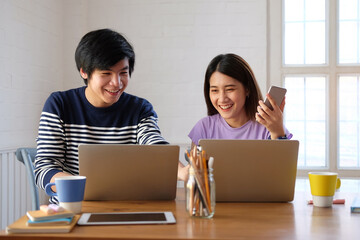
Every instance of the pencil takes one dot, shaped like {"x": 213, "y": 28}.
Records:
{"x": 207, "y": 189}
{"x": 191, "y": 188}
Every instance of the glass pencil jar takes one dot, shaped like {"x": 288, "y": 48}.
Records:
{"x": 200, "y": 193}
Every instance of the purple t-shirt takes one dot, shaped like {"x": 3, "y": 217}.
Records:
{"x": 215, "y": 127}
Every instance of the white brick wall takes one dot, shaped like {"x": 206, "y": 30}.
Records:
{"x": 174, "y": 40}
{"x": 30, "y": 66}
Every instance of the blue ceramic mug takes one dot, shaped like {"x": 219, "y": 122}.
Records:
{"x": 69, "y": 190}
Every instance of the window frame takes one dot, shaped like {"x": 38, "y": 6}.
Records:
{"x": 326, "y": 39}
{"x": 327, "y": 128}
{"x": 277, "y": 71}
{"x": 338, "y": 126}
{"x": 338, "y": 40}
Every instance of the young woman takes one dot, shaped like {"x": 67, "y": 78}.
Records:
{"x": 235, "y": 106}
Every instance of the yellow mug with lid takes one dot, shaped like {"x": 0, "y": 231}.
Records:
{"x": 323, "y": 186}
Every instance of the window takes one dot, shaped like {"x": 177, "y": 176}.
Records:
{"x": 349, "y": 121}
{"x": 305, "y": 116}
{"x": 318, "y": 61}
{"x": 304, "y": 32}
{"x": 349, "y": 31}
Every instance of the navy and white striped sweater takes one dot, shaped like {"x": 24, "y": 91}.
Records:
{"x": 68, "y": 119}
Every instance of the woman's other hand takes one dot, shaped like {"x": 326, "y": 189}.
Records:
{"x": 183, "y": 172}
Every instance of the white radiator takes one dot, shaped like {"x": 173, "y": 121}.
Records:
{"x": 15, "y": 197}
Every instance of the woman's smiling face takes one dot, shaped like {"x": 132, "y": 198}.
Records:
{"x": 228, "y": 96}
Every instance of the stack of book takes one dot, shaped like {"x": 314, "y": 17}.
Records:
{"x": 40, "y": 218}
{"x": 41, "y": 222}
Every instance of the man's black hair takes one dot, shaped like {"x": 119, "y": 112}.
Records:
{"x": 101, "y": 49}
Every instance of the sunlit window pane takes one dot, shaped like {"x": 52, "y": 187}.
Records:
{"x": 312, "y": 10}
{"x": 314, "y": 42}
{"x": 294, "y": 47}
{"x": 348, "y": 42}
{"x": 304, "y": 32}
{"x": 305, "y": 117}
{"x": 294, "y": 10}
{"x": 349, "y": 121}
{"x": 349, "y": 31}
{"x": 347, "y": 9}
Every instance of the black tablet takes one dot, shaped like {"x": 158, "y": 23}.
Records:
{"x": 115, "y": 218}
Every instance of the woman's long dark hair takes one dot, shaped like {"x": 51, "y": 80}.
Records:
{"x": 236, "y": 67}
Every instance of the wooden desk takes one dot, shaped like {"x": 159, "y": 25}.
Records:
{"x": 295, "y": 220}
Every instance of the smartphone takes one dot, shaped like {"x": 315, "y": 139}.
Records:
{"x": 277, "y": 93}
{"x": 116, "y": 218}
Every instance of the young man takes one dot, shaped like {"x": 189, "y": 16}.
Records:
{"x": 100, "y": 112}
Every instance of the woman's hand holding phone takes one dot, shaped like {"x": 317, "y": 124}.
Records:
{"x": 272, "y": 117}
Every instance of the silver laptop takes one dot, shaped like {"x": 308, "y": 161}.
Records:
{"x": 129, "y": 172}
{"x": 253, "y": 170}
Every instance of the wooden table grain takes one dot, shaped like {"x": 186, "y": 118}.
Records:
{"x": 294, "y": 220}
